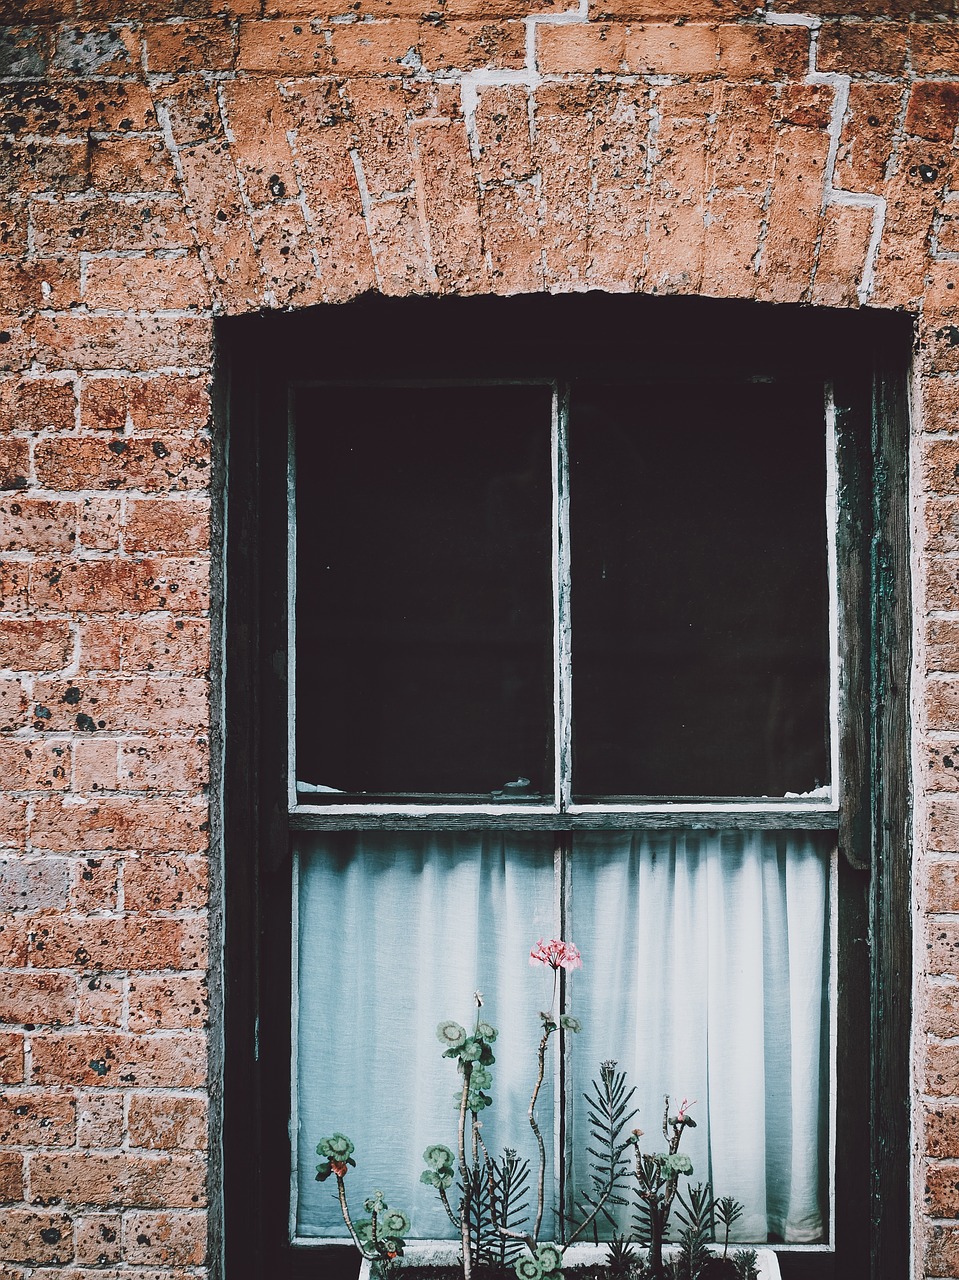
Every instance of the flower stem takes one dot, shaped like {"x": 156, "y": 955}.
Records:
{"x": 341, "y": 1191}
{"x": 541, "y": 1177}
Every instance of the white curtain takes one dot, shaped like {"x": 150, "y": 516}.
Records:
{"x": 705, "y": 966}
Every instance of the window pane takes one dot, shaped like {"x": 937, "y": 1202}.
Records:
{"x": 395, "y": 934}
{"x": 424, "y": 589}
{"x": 705, "y": 974}
{"x": 699, "y": 589}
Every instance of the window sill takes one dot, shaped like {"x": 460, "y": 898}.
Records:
{"x": 436, "y": 1255}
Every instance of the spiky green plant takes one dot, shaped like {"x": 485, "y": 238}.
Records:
{"x": 695, "y": 1213}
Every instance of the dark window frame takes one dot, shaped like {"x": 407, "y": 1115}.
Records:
{"x": 866, "y": 358}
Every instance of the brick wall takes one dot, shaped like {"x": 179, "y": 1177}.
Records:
{"x": 160, "y": 166}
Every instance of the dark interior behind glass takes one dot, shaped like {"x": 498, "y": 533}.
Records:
{"x": 424, "y": 590}
{"x": 699, "y": 589}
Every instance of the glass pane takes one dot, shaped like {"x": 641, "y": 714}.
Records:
{"x": 705, "y": 975}
{"x": 699, "y": 589}
{"x": 424, "y": 590}
{"x": 395, "y": 935}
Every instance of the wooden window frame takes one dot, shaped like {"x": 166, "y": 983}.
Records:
{"x": 865, "y": 358}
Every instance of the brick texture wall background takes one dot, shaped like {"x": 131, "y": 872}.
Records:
{"x": 161, "y": 164}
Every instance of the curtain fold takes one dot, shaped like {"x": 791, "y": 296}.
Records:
{"x": 705, "y": 975}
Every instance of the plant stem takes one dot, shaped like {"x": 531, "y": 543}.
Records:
{"x": 448, "y": 1207}
{"x": 341, "y": 1191}
{"x": 541, "y": 1178}
{"x": 464, "y": 1175}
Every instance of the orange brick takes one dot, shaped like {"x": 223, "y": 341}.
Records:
{"x": 166, "y": 883}
{"x": 146, "y": 284}
{"x": 100, "y": 1119}
{"x": 48, "y": 999}
{"x": 111, "y": 944}
{"x": 164, "y": 765}
{"x": 393, "y": 47}
{"x": 173, "y": 48}
{"x": 116, "y": 107}
{"x": 36, "y": 1238}
{"x": 858, "y": 48}
{"x": 95, "y": 885}
{"x": 34, "y": 765}
{"x": 129, "y": 703}
{"x": 14, "y": 464}
{"x": 165, "y": 1239}
{"x": 35, "y": 645}
{"x": 34, "y": 1117}
{"x": 933, "y": 110}
{"x": 111, "y": 1058}
{"x": 97, "y": 1238}
{"x": 148, "y": 405}
{"x": 752, "y": 52}
{"x": 934, "y": 48}
{"x": 259, "y": 119}
{"x": 179, "y": 646}
{"x": 120, "y": 823}
{"x": 131, "y": 164}
{"x": 148, "y": 465}
{"x": 127, "y": 223}
{"x": 100, "y": 1000}
{"x": 283, "y": 48}
{"x": 106, "y": 586}
{"x": 35, "y": 166}
{"x": 165, "y": 1122}
{"x": 119, "y": 1178}
{"x": 174, "y": 1002}
{"x": 37, "y": 404}
{"x": 655, "y": 49}
{"x": 37, "y": 525}
{"x": 11, "y": 1072}
{"x": 121, "y": 342}
{"x": 843, "y": 250}
{"x": 868, "y": 136}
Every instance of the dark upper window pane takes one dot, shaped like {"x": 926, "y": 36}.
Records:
{"x": 424, "y": 589}
{"x": 699, "y": 589}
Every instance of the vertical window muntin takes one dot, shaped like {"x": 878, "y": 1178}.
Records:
{"x": 564, "y": 814}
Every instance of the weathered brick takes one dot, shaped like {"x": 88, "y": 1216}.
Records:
{"x": 95, "y": 885}
{"x": 100, "y": 1000}
{"x": 656, "y": 49}
{"x": 36, "y": 1238}
{"x": 942, "y": 642}
{"x": 942, "y": 1250}
{"x": 110, "y": 943}
{"x": 858, "y": 48}
{"x": 147, "y": 465}
{"x": 95, "y": 50}
{"x": 128, "y": 703}
{"x": 165, "y": 1239}
{"x": 941, "y": 1195}
{"x": 14, "y": 464}
{"x": 100, "y": 1119}
{"x": 283, "y": 47}
{"x": 34, "y": 765}
{"x": 146, "y": 283}
{"x": 35, "y": 644}
{"x": 45, "y": 999}
{"x": 383, "y": 47}
{"x": 111, "y": 1058}
{"x": 65, "y": 109}
{"x": 868, "y": 137}
{"x": 155, "y": 405}
{"x": 11, "y": 1072}
{"x": 36, "y": 884}
{"x": 942, "y": 886}
{"x": 99, "y": 521}
{"x": 166, "y": 883}
{"x": 942, "y": 704}
{"x": 943, "y": 826}
{"x": 942, "y": 947}
{"x": 13, "y": 823}
{"x": 123, "y": 223}
{"x": 34, "y": 1117}
{"x": 97, "y": 1238}
{"x": 38, "y": 524}
{"x": 941, "y": 1009}
{"x": 172, "y": 1002}
{"x": 168, "y": 1122}
{"x": 99, "y": 645}
{"x": 121, "y": 165}
{"x": 177, "y": 584}
{"x": 120, "y": 1178}
{"x": 173, "y": 48}
{"x": 44, "y": 166}
{"x": 939, "y": 461}
{"x": 120, "y": 342}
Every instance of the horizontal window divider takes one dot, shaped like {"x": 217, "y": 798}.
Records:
{"x": 487, "y": 819}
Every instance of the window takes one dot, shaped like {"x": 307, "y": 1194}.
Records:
{"x": 574, "y": 643}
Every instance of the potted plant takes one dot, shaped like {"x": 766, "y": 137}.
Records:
{"x": 495, "y": 1203}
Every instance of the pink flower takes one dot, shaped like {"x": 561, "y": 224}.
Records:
{"x": 681, "y": 1113}
{"x": 556, "y": 953}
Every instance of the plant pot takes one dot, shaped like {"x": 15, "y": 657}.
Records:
{"x": 429, "y": 1258}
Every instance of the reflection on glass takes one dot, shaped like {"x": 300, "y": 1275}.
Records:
{"x": 699, "y": 590}
{"x": 423, "y": 590}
